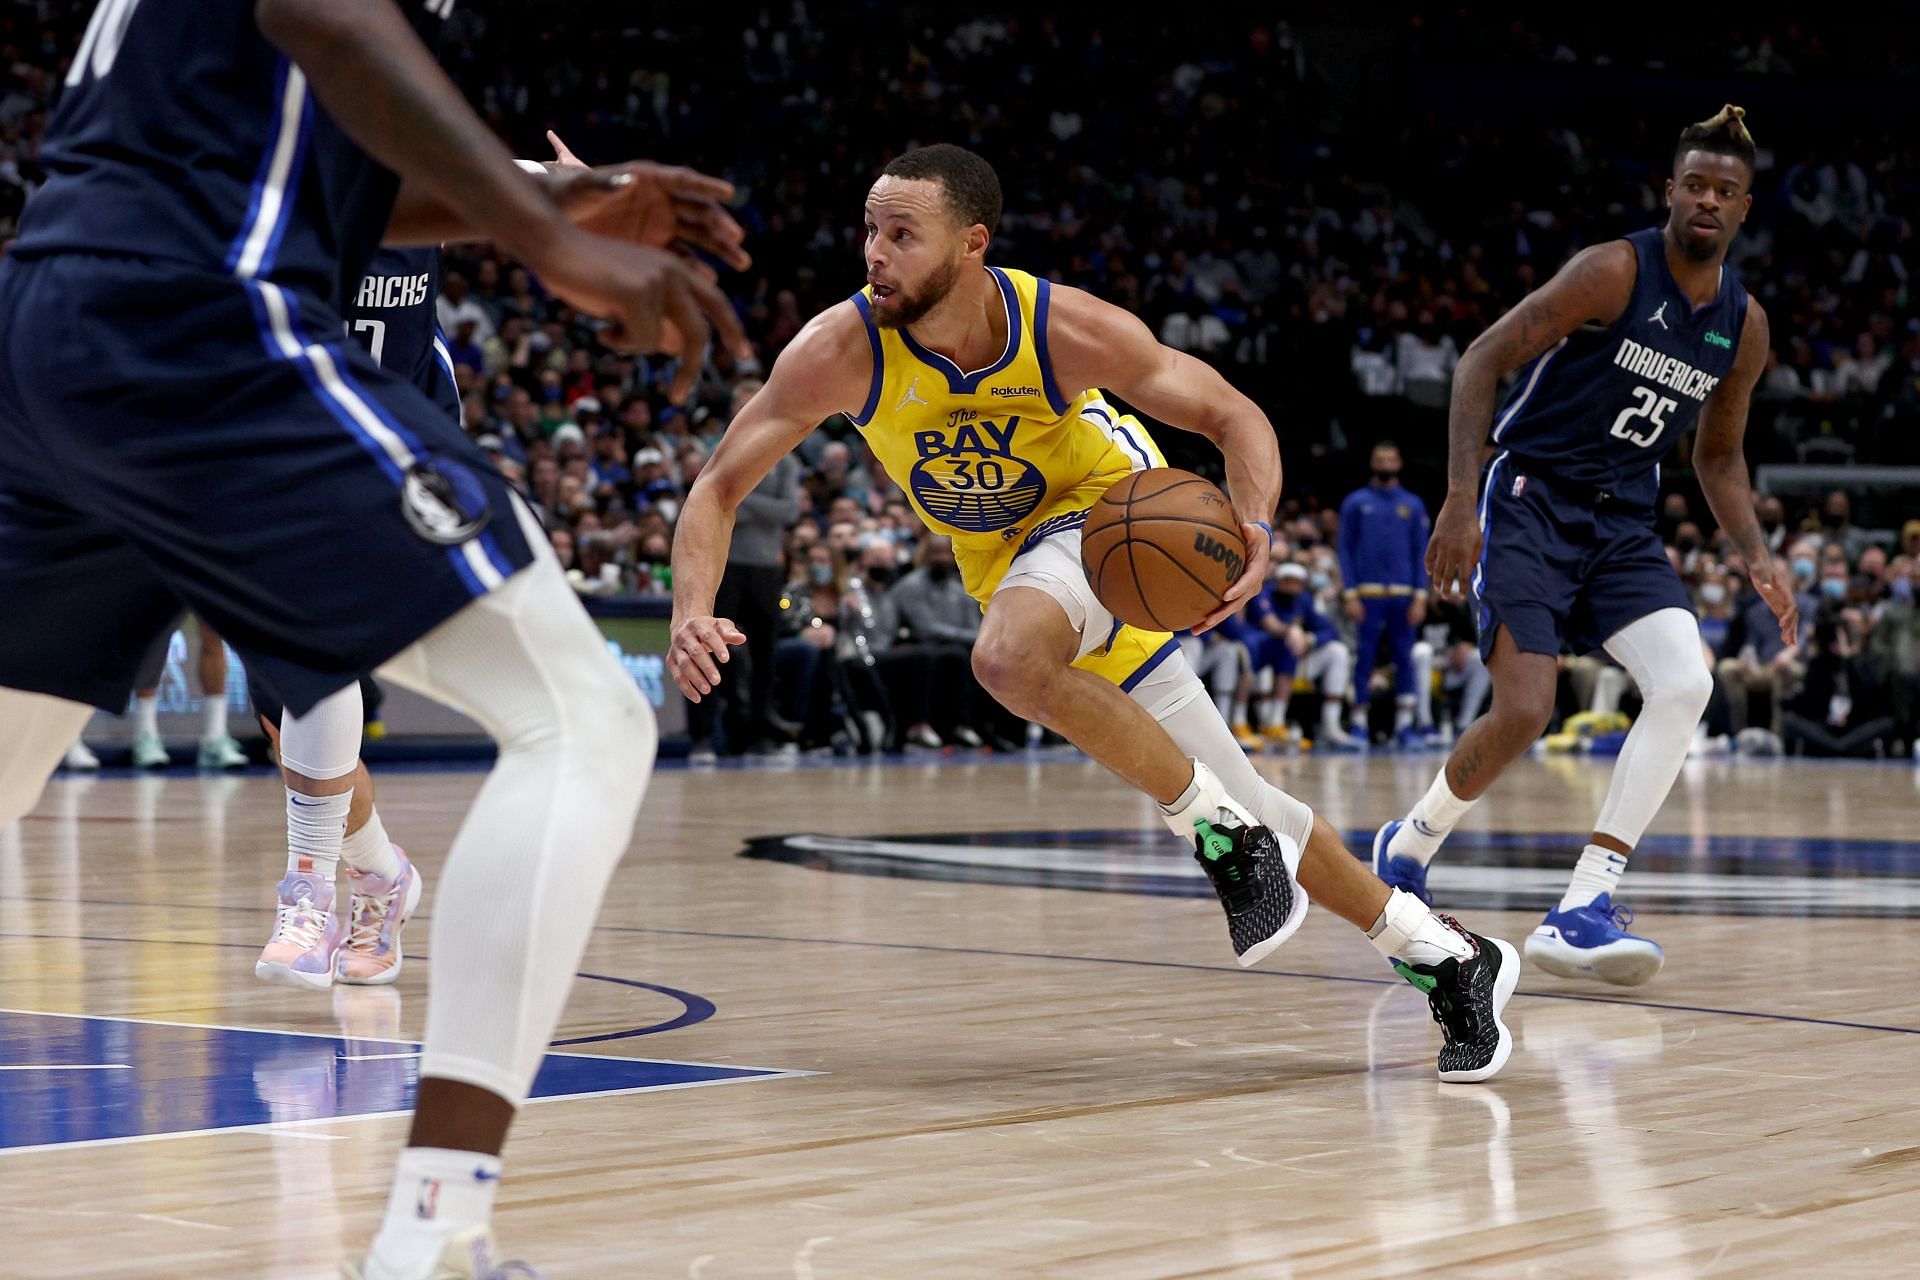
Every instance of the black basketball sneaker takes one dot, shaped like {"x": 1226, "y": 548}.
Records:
{"x": 1467, "y": 997}
{"x": 1249, "y": 873}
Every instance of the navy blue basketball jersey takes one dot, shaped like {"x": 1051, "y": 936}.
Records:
{"x": 181, "y": 135}
{"x": 1601, "y": 407}
{"x": 391, "y": 314}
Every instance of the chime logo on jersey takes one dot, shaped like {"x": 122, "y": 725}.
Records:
{"x": 968, "y": 477}
{"x": 444, "y": 502}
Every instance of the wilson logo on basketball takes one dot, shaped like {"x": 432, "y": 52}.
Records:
{"x": 1212, "y": 548}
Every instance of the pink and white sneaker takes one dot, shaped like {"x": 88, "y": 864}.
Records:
{"x": 380, "y": 908}
{"x": 306, "y": 937}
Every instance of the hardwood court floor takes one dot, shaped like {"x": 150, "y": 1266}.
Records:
{"x": 1013, "y": 1079}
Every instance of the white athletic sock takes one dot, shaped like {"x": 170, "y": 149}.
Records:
{"x": 1407, "y": 930}
{"x": 316, "y": 826}
{"x": 1429, "y": 822}
{"x": 367, "y": 850}
{"x": 1423, "y": 684}
{"x": 213, "y": 717}
{"x": 1223, "y": 702}
{"x": 1273, "y": 713}
{"x": 1597, "y": 872}
{"x": 1239, "y": 715}
{"x": 146, "y": 715}
{"x": 1403, "y": 712}
{"x": 436, "y": 1194}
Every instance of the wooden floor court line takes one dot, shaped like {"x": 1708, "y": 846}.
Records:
{"x": 1186, "y": 966}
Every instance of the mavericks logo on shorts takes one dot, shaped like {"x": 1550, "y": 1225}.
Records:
{"x": 444, "y": 501}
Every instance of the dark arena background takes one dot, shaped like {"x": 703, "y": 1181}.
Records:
{"x": 964, "y": 1003}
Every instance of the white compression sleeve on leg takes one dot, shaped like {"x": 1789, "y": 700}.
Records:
{"x": 523, "y": 883}
{"x": 1662, "y": 653}
{"x": 39, "y": 729}
{"x": 1174, "y": 696}
{"x": 323, "y": 744}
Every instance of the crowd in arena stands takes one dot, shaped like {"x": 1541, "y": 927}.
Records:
{"x": 1333, "y": 257}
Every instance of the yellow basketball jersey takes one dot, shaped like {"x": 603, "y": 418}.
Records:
{"x": 992, "y": 457}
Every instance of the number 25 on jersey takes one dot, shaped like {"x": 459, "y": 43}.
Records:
{"x": 1653, "y": 407}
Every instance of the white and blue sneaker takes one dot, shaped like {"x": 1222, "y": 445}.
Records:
{"x": 1399, "y": 872}
{"x": 1593, "y": 942}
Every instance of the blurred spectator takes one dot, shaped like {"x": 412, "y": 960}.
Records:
{"x": 749, "y": 596}
{"x": 1840, "y": 708}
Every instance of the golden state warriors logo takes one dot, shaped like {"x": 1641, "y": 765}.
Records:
{"x": 967, "y": 477}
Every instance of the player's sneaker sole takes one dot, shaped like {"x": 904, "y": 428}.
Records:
{"x": 1628, "y": 963}
{"x": 281, "y": 975}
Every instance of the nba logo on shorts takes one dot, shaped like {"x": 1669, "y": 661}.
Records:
{"x": 1519, "y": 485}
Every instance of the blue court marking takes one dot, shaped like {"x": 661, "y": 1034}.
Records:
{"x": 1251, "y": 973}
{"x": 72, "y": 1079}
{"x": 694, "y": 1008}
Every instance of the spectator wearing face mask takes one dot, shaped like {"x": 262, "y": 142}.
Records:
{"x": 1895, "y": 641}
{"x": 1840, "y": 707}
{"x": 1298, "y": 639}
{"x": 1836, "y": 519}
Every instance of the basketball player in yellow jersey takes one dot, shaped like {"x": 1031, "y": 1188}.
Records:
{"x": 975, "y": 387}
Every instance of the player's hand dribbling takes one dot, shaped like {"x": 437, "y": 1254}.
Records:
{"x": 699, "y": 646}
{"x": 649, "y": 297}
{"x": 1454, "y": 549}
{"x": 1259, "y": 550}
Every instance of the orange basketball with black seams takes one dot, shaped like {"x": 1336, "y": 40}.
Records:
{"x": 1162, "y": 548}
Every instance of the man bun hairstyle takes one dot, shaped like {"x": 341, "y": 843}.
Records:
{"x": 971, "y": 185}
{"x": 1723, "y": 133}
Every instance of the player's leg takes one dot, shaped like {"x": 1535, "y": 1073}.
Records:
{"x": 1533, "y": 562}
{"x": 1330, "y": 668}
{"x": 1373, "y": 621}
{"x": 319, "y": 758}
{"x": 1586, "y": 936}
{"x": 521, "y": 887}
{"x": 40, "y": 728}
{"x": 1273, "y": 670}
{"x": 1468, "y": 970}
{"x": 218, "y": 750}
{"x": 149, "y": 749}
{"x": 1420, "y": 658}
{"x": 1406, "y": 674}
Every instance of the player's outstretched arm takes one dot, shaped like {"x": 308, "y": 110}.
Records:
{"x": 374, "y": 76}
{"x": 826, "y": 369}
{"x": 1593, "y": 288}
{"x": 639, "y": 202}
{"x": 1720, "y": 460}
{"x": 1096, "y": 344}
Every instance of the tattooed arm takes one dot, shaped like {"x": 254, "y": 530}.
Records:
{"x": 1593, "y": 288}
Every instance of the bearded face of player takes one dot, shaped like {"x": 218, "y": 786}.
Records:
{"x": 915, "y": 252}
{"x": 1710, "y": 195}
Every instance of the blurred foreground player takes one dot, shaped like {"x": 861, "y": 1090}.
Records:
{"x": 184, "y": 421}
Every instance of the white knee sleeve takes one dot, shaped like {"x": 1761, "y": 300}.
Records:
{"x": 39, "y": 729}
{"x": 324, "y": 743}
{"x": 523, "y": 883}
{"x": 1662, "y": 653}
{"x": 1174, "y": 696}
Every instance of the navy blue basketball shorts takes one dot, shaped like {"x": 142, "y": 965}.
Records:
{"x": 1562, "y": 574}
{"x": 169, "y": 435}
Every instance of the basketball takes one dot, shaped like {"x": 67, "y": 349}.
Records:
{"x": 1161, "y": 549}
